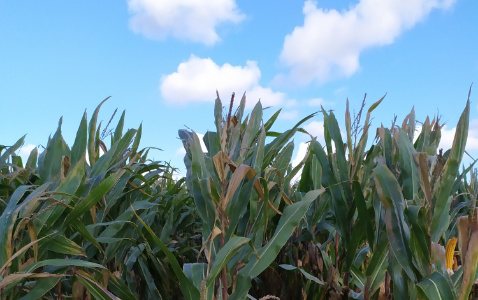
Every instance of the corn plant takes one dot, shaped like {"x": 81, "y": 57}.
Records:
{"x": 366, "y": 220}
{"x": 381, "y": 225}
{"x": 75, "y": 224}
{"x": 240, "y": 185}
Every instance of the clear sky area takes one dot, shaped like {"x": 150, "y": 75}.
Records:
{"x": 162, "y": 61}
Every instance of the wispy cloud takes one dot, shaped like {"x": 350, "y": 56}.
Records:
{"x": 289, "y": 115}
{"x": 318, "y": 102}
{"x": 197, "y": 79}
{"x": 329, "y": 43}
{"x": 189, "y": 20}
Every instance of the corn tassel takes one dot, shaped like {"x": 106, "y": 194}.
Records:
{"x": 450, "y": 251}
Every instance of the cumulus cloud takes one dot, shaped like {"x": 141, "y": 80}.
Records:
{"x": 318, "y": 102}
{"x": 24, "y": 151}
{"x": 180, "y": 151}
{"x": 316, "y": 129}
{"x": 447, "y": 136}
{"x": 301, "y": 152}
{"x": 197, "y": 79}
{"x": 329, "y": 43}
{"x": 289, "y": 115}
{"x": 189, "y": 20}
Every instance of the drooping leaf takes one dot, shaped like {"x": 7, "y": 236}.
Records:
{"x": 266, "y": 254}
{"x": 437, "y": 286}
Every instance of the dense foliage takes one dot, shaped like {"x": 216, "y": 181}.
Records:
{"x": 366, "y": 220}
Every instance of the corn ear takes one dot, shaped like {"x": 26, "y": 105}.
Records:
{"x": 450, "y": 251}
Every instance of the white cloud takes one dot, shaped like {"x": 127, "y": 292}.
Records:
{"x": 180, "y": 151}
{"x": 290, "y": 103}
{"x": 197, "y": 79}
{"x": 301, "y": 152}
{"x": 24, "y": 152}
{"x": 447, "y": 136}
{"x": 190, "y": 20}
{"x": 329, "y": 43}
{"x": 316, "y": 129}
{"x": 289, "y": 115}
{"x": 317, "y": 102}
{"x": 418, "y": 130}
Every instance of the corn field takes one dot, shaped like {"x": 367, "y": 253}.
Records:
{"x": 375, "y": 214}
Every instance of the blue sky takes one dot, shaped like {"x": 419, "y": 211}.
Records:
{"x": 162, "y": 62}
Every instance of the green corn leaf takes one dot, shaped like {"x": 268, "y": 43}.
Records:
{"x": 419, "y": 239}
{"x": 252, "y": 129}
{"x": 120, "y": 289}
{"x": 50, "y": 163}
{"x": 397, "y": 230}
{"x": 440, "y": 219}
{"x": 11, "y": 150}
{"x": 240, "y": 109}
{"x": 93, "y": 150}
{"x": 79, "y": 146}
{"x": 68, "y": 186}
{"x": 7, "y": 221}
{"x": 307, "y": 275}
{"x": 218, "y": 118}
{"x": 409, "y": 171}
{"x": 99, "y": 292}
{"x": 119, "y": 128}
{"x": 212, "y": 143}
{"x": 16, "y": 277}
{"x": 167, "y": 230}
{"x": 58, "y": 262}
{"x": 108, "y": 159}
{"x": 348, "y": 130}
{"x": 311, "y": 177}
{"x": 93, "y": 197}
{"x": 403, "y": 287}
{"x": 196, "y": 272}
{"x": 265, "y": 255}
{"x": 362, "y": 211}
{"x": 281, "y": 163}
{"x": 137, "y": 139}
{"x": 60, "y": 244}
{"x": 338, "y": 202}
{"x": 358, "y": 237}
{"x": 408, "y": 125}
{"x": 273, "y": 148}
{"x": 32, "y": 159}
{"x": 437, "y": 286}
{"x": 377, "y": 267}
{"x": 187, "y": 288}
{"x": 149, "y": 279}
{"x": 239, "y": 206}
{"x": 258, "y": 154}
{"x": 41, "y": 287}
{"x": 271, "y": 121}
{"x": 358, "y": 277}
{"x": 224, "y": 256}
{"x": 331, "y": 125}
{"x": 80, "y": 227}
